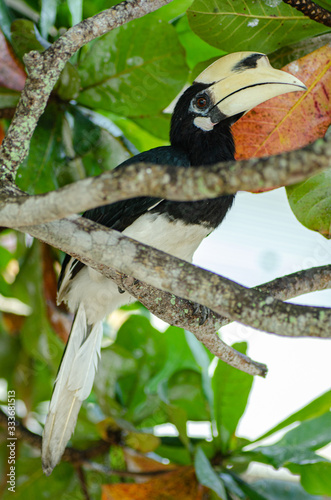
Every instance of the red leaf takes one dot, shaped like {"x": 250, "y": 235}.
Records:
{"x": 290, "y": 121}
{"x": 12, "y": 74}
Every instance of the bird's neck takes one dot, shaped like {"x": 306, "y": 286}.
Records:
{"x": 205, "y": 148}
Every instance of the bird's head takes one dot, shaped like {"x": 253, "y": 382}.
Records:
{"x": 223, "y": 92}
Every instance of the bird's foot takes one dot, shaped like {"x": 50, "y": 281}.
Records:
{"x": 202, "y": 312}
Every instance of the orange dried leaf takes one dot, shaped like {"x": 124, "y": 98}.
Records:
{"x": 137, "y": 462}
{"x": 180, "y": 484}
{"x": 12, "y": 74}
{"x": 290, "y": 121}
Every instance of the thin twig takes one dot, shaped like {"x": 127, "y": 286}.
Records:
{"x": 83, "y": 484}
{"x": 311, "y": 10}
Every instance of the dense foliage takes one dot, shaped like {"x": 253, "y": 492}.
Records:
{"x": 107, "y": 105}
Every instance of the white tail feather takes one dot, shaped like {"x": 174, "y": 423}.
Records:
{"x": 73, "y": 384}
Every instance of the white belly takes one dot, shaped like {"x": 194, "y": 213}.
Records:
{"x": 100, "y": 295}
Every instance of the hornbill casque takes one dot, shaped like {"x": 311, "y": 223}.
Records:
{"x": 200, "y": 134}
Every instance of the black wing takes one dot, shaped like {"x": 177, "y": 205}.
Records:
{"x": 122, "y": 214}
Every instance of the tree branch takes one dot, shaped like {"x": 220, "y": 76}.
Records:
{"x": 103, "y": 248}
{"x": 185, "y": 314}
{"x": 174, "y": 183}
{"x": 311, "y": 10}
{"x": 44, "y": 70}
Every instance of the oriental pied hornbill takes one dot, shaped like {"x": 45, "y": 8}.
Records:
{"x": 200, "y": 135}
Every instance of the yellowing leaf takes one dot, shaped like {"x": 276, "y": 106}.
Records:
{"x": 181, "y": 484}
{"x": 142, "y": 442}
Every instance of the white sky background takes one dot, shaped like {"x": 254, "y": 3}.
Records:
{"x": 261, "y": 240}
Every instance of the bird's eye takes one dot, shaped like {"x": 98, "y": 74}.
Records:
{"x": 201, "y": 102}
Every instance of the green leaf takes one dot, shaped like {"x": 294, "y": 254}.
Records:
{"x": 147, "y": 346}
{"x": 47, "y": 16}
{"x": 290, "y": 53}
{"x": 203, "y": 358}
{"x": 231, "y": 390}
{"x": 174, "y": 9}
{"x": 240, "y": 488}
{"x": 76, "y": 10}
{"x": 196, "y": 49}
{"x": 315, "y": 478}
{"x": 185, "y": 391}
{"x": 177, "y": 356}
{"x": 124, "y": 74}
{"x": 315, "y": 408}
{"x": 284, "y": 490}
{"x": 5, "y": 20}
{"x": 176, "y": 454}
{"x": 206, "y": 474}
{"x": 68, "y": 85}
{"x": 40, "y": 171}
{"x": 178, "y": 417}
{"x": 8, "y": 98}
{"x": 310, "y": 202}
{"x": 106, "y": 154}
{"x": 260, "y": 25}
{"x": 299, "y": 444}
{"x": 158, "y": 125}
{"x": 24, "y": 37}
{"x": 122, "y": 364}
{"x": 142, "y": 441}
{"x": 142, "y": 139}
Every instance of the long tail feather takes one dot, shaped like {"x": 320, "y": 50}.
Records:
{"x": 73, "y": 384}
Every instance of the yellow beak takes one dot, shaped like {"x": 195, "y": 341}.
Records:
{"x": 242, "y": 80}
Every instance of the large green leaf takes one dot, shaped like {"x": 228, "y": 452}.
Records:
{"x": 147, "y": 346}
{"x": 207, "y": 476}
{"x": 315, "y": 478}
{"x": 5, "y": 20}
{"x": 40, "y": 170}
{"x": 231, "y": 390}
{"x": 116, "y": 362}
{"x": 196, "y": 49}
{"x": 176, "y": 356}
{"x": 76, "y": 10}
{"x": 138, "y": 135}
{"x": 240, "y": 488}
{"x": 8, "y": 98}
{"x": 284, "y": 490}
{"x": 299, "y": 445}
{"x": 185, "y": 391}
{"x": 310, "y": 202}
{"x": 203, "y": 358}
{"x": 24, "y": 37}
{"x": 47, "y": 15}
{"x": 135, "y": 70}
{"x": 315, "y": 408}
{"x": 260, "y": 25}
